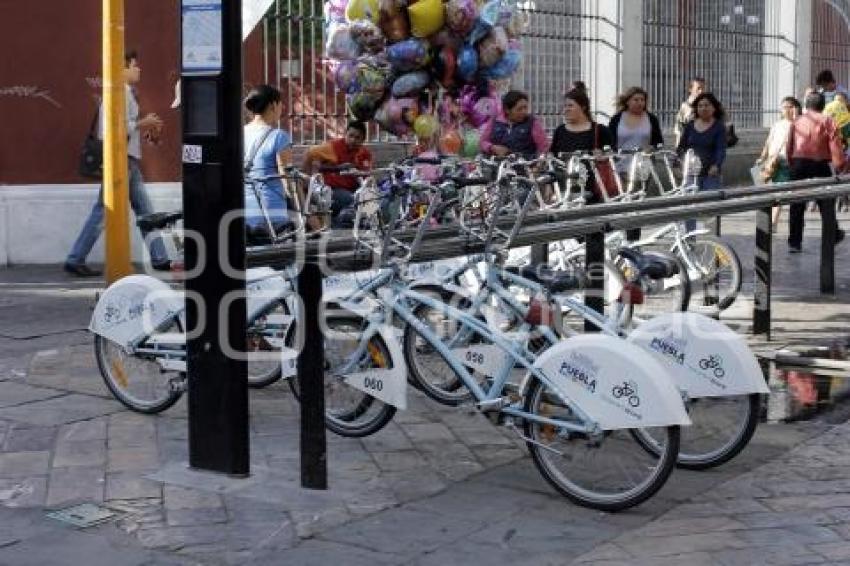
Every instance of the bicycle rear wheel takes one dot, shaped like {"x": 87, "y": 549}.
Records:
{"x": 722, "y": 427}
{"x": 138, "y": 381}
{"x": 718, "y": 267}
{"x": 609, "y": 473}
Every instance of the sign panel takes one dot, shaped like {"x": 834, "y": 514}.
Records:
{"x": 202, "y": 37}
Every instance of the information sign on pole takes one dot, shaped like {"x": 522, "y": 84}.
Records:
{"x": 202, "y": 36}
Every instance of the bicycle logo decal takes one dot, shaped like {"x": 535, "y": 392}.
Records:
{"x": 715, "y": 363}
{"x": 629, "y": 390}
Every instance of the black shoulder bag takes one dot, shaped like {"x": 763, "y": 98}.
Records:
{"x": 91, "y": 158}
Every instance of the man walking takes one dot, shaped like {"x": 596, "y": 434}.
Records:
{"x": 150, "y": 125}
{"x": 813, "y": 143}
{"x": 686, "y": 110}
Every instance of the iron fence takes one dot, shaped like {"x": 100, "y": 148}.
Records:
{"x": 831, "y": 39}
{"x": 722, "y": 41}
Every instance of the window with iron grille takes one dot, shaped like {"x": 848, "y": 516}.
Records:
{"x": 722, "y": 41}
{"x": 831, "y": 39}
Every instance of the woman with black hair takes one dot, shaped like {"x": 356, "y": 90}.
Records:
{"x": 706, "y": 136}
{"x": 517, "y": 131}
{"x": 580, "y": 133}
{"x": 268, "y": 150}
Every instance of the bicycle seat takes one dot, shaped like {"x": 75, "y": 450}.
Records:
{"x": 157, "y": 220}
{"x": 555, "y": 281}
{"x": 651, "y": 264}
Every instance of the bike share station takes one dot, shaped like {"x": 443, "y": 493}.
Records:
{"x": 213, "y": 196}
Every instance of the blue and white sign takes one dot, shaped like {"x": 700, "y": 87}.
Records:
{"x": 202, "y": 37}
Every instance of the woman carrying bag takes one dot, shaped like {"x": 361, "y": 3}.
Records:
{"x": 773, "y": 163}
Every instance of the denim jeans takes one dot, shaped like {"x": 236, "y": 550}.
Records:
{"x": 704, "y": 183}
{"x": 340, "y": 200}
{"x": 94, "y": 223}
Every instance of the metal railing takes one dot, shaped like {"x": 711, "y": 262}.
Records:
{"x": 722, "y": 41}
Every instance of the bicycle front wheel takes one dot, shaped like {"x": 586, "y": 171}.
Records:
{"x": 137, "y": 380}
{"x": 610, "y": 473}
{"x": 718, "y": 269}
{"x": 722, "y": 427}
{"x": 348, "y": 411}
{"x": 264, "y": 363}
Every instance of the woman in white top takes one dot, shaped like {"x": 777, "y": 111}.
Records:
{"x": 773, "y": 159}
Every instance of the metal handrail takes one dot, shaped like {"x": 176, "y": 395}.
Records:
{"x": 546, "y": 226}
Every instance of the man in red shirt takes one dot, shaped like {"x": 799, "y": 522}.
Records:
{"x": 813, "y": 143}
{"x": 345, "y": 150}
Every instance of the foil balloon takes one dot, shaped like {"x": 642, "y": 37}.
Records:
{"x": 397, "y": 115}
{"x": 505, "y": 67}
{"x": 340, "y": 45}
{"x": 497, "y": 13}
{"x": 362, "y": 10}
{"x": 408, "y": 55}
{"x": 467, "y": 63}
{"x": 445, "y": 38}
{"x": 426, "y": 126}
{"x": 410, "y": 83}
{"x": 471, "y": 143}
{"x": 443, "y": 66}
{"x": 493, "y": 47}
{"x": 345, "y": 77}
{"x": 461, "y": 15}
{"x": 426, "y": 17}
{"x": 451, "y": 143}
{"x": 372, "y": 80}
{"x": 393, "y": 21}
{"x": 335, "y": 10}
{"x": 362, "y": 106}
{"x": 484, "y": 109}
{"x": 368, "y": 36}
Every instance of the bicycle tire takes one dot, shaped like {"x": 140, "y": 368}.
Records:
{"x": 362, "y": 414}
{"x": 663, "y": 295}
{"x": 599, "y": 488}
{"x": 692, "y": 459}
{"x": 450, "y": 389}
{"x": 728, "y": 257}
{"x": 113, "y": 361}
{"x": 259, "y": 377}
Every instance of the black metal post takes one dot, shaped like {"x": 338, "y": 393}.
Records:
{"x": 212, "y": 190}
{"x": 762, "y": 272}
{"x": 594, "y": 294}
{"x": 827, "y": 246}
{"x": 540, "y": 254}
{"x": 311, "y": 377}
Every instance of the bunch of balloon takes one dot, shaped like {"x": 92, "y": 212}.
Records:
{"x": 393, "y": 58}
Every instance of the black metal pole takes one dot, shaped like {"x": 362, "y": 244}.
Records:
{"x": 827, "y": 245}
{"x": 540, "y": 254}
{"x": 212, "y": 190}
{"x": 762, "y": 273}
{"x": 311, "y": 378}
{"x": 594, "y": 294}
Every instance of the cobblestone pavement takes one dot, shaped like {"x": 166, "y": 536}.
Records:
{"x": 437, "y": 486}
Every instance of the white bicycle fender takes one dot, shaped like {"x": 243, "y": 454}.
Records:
{"x": 133, "y": 307}
{"x": 706, "y": 358}
{"x": 261, "y": 287}
{"x": 389, "y": 385}
{"x": 616, "y": 384}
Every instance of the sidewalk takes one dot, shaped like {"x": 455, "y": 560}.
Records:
{"x": 437, "y": 486}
